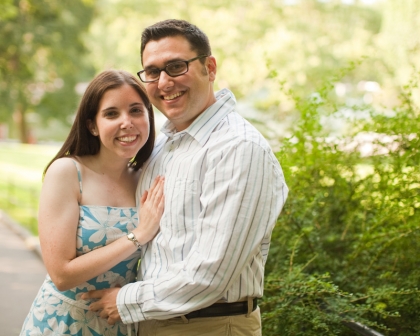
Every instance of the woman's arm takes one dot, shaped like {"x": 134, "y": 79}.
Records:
{"x": 58, "y": 220}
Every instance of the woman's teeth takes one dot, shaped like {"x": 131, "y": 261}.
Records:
{"x": 127, "y": 138}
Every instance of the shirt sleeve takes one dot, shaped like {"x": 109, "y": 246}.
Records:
{"x": 242, "y": 194}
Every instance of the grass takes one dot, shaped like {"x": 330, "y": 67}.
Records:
{"x": 21, "y": 168}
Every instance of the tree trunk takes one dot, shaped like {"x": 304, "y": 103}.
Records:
{"x": 20, "y": 120}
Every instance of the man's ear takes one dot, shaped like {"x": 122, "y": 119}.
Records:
{"x": 91, "y": 127}
{"x": 211, "y": 68}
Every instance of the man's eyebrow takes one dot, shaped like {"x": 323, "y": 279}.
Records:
{"x": 166, "y": 63}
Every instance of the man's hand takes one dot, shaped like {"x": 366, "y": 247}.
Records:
{"x": 106, "y": 304}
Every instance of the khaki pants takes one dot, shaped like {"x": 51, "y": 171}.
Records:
{"x": 238, "y": 325}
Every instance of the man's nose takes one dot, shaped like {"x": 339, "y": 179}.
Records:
{"x": 165, "y": 81}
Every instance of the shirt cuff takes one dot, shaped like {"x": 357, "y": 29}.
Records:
{"x": 128, "y": 306}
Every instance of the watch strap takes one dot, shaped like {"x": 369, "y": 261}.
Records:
{"x": 133, "y": 238}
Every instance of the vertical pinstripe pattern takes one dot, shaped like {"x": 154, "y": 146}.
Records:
{"x": 224, "y": 189}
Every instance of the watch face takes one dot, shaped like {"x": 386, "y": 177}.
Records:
{"x": 132, "y": 237}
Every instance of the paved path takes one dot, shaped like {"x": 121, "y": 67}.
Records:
{"x": 21, "y": 275}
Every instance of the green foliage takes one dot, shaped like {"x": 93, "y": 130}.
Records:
{"x": 21, "y": 179}
{"x": 346, "y": 245}
{"x": 301, "y": 41}
{"x": 304, "y": 40}
{"x": 41, "y": 59}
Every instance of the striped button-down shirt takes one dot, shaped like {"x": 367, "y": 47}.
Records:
{"x": 224, "y": 190}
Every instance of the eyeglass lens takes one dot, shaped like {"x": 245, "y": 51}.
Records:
{"x": 172, "y": 69}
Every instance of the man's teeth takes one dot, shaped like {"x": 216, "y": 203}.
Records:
{"x": 172, "y": 96}
{"x": 127, "y": 138}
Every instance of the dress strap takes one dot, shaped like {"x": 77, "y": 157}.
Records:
{"x": 79, "y": 176}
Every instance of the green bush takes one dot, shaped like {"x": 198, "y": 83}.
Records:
{"x": 347, "y": 242}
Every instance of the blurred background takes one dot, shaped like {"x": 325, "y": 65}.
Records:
{"x": 332, "y": 84}
{"x": 50, "y": 50}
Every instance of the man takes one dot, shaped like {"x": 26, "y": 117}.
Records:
{"x": 224, "y": 190}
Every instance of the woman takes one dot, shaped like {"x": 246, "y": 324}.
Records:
{"x": 88, "y": 222}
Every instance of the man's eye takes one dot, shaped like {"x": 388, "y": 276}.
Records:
{"x": 175, "y": 67}
{"x": 152, "y": 72}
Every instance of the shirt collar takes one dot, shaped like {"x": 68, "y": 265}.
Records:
{"x": 203, "y": 125}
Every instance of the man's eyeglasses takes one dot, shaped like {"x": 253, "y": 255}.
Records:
{"x": 173, "y": 69}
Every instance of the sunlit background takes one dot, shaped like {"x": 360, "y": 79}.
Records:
{"x": 332, "y": 84}
{"x": 50, "y": 50}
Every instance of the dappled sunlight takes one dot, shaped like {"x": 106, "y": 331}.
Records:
{"x": 16, "y": 172}
{"x": 334, "y": 86}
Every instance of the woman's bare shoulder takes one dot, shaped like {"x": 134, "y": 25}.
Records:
{"x": 62, "y": 168}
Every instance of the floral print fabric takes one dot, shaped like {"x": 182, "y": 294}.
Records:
{"x": 64, "y": 313}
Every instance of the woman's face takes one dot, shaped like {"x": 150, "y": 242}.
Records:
{"x": 121, "y": 123}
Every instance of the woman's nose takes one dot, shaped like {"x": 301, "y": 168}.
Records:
{"x": 127, "y": 121}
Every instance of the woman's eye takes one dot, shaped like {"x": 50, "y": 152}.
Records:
{"x": 137, "y": 110}
{"x": 110, "y": 114}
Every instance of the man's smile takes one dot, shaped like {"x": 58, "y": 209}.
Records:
{"x": 173, "y": 96}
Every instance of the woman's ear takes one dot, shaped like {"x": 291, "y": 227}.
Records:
{"x": 92, "y": 127}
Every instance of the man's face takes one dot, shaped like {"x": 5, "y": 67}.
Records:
{"x": 181, "y": 99}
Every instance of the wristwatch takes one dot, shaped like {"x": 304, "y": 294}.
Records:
{"x": 133, "y": 238}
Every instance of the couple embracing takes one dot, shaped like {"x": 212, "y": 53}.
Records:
{"x": 196, "y": 206}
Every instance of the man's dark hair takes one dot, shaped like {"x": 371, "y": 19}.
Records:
{"x": 199, "y": 41}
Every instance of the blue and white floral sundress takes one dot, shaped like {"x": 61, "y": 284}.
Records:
{"x": 64, "y": 313}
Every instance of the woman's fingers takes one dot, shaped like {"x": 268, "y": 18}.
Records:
{"x": 148, "y": 194}
{"x": 155, "y": 183}
{"x": 161, "y": 205}
{"x": 152, "y": 200}
{"x": 143, "y": 197}
{"x": 151, "y": 210}
{"x": 156, "y": 190}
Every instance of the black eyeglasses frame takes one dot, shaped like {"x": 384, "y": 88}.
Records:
{"x": 187, "y": 62}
